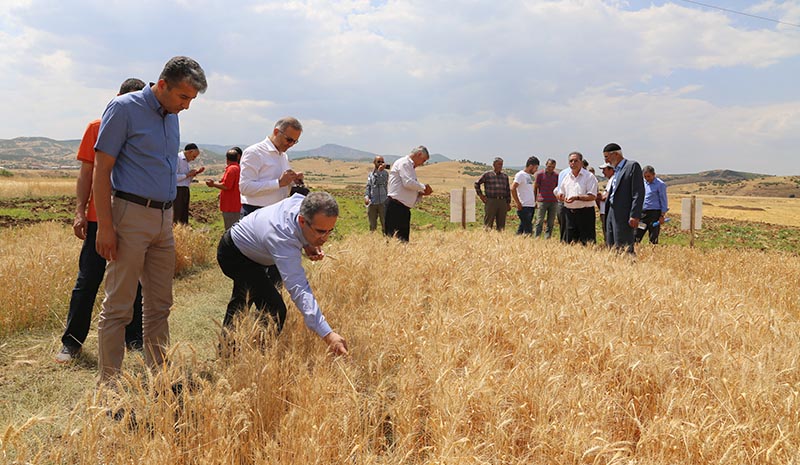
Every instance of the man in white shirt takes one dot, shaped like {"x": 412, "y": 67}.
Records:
{"x": 404, "y": 192}
{"x": 184, "y": 176}
{"x": 524, "y": 199}
{"x": 578, "y": 191}
{"x": 265, "y": 177}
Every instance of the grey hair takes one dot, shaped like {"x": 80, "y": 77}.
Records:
{"x": 131, "y": 85}
{"x": 649, "y": 169}
{"x": 580, "y": 155}
{"x": 421, "y": 149}
{"x": 288, "y": 121}
{"x": 496, "y": 159}
{"x": 179, "y": 69}
{"x": 319, "y": 202}
{"x": 615, "y": 152}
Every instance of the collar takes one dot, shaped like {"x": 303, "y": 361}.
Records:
{"x": 298, "y": 229}
{"x": 271, "y": 147}
{"x": 151, "y": 99}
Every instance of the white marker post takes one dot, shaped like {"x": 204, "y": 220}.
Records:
{"x": 462, "y": 206}
{"x": 692, "y": 216}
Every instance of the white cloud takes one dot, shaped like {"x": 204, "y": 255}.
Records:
{"x": 469, "y": 79}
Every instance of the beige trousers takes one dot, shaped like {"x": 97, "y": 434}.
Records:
{"x": 146, "y": 251}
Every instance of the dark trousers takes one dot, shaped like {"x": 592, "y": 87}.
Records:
{"x": 525, "y": 220}
{"x": 181, "y": 206}
{"x": 562, "y": 221}
{"x": 648, "y": 218}
{"x": 603, "y": 224}
{"x": 619, "y": 233}
{"x": 398, "y": 220}
{"x": 580, "y": 225}
{"x": 91, "y": 268}
{"x": 252, "y": 285}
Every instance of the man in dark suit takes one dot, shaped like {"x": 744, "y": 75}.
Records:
{"x": 625, "y": 199}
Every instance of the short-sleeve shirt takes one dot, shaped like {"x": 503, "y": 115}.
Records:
{"x": 546, "y": 183}
{"x": 525, "y": 189}
{"x": 86, "y": 155}
{"x": 229, "y": 200}
{"x": 145, "y": 141}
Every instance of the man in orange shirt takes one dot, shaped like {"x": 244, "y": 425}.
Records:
{"x": 229, "y": 201}
{"x": 91, "y": 266}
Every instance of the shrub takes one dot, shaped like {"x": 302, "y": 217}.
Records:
{"x": 194, "y": 247}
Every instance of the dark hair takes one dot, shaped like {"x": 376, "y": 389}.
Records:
{"x": 237, "y": 149}
{"x": 190, "y": 146}
{"x": 318, "y": 202}
{"x": 580, "y": 155}
{"x": 532, "y": 161}
{"x": 232, "y": 155}
{"x": 131, "y": 85}
{"x": 179, "y": 69}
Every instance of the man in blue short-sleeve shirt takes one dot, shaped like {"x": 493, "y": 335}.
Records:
{"x": 134, "y": 187}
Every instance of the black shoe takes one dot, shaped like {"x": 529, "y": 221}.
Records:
{"x": 135, "y": 346}
{"x": 121, "y": 415}
{"x": 67, "y": 354}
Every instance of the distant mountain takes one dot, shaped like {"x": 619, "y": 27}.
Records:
{"x": 38, "y": 152}
{"x": 339, "y": 152}
{"x": 42, "y": 152}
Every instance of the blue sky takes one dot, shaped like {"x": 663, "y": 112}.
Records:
{"x": 679, "y": 86}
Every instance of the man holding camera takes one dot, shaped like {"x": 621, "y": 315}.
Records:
{"x": 404, "y": 192}
{"x": 376, "y": 194}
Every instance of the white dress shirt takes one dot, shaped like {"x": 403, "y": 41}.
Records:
{"x": 182, "y": 171}
{"x": 403, "y": 184}
{"x": 260, "y": 169}
{"x": 572, "y": 186}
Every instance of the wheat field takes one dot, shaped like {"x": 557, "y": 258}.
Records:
{"x": 476, "y": 348}
{"x": 773, "y": 210}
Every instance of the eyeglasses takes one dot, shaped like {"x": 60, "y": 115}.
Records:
{"x": 289, "y": 139}
{"x": 319, "y": 232}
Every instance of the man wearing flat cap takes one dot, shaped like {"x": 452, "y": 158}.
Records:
{"x": 624, "y": 200}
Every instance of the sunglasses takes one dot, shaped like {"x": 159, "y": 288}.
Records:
{"x": 289, "y": 139}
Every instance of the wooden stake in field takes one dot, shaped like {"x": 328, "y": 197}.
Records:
{"x": 692, "y": 216}
{"x": 462, "y": 206}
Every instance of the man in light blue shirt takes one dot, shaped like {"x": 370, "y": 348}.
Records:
{"x": 184, "y": 176}
{"x": 277, "y": 235}
{"x": 655, "y": 206}
{"x": 135, "y": 161}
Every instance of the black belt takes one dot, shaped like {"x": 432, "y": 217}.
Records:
{"x": 143, "y": 201}
{"x": 496, "y": 198}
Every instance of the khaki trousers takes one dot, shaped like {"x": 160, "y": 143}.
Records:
{"x": 146, "y": 251}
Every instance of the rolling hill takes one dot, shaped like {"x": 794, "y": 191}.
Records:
{"x": 332, "y": 164}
